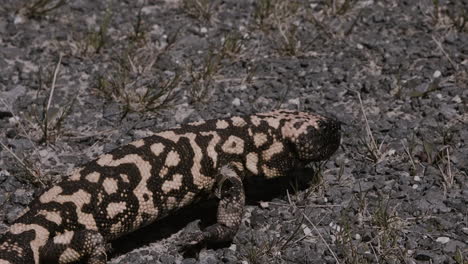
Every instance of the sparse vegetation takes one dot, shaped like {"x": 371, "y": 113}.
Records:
{"x": 290, "y": 44}
{"x": 373, "y": 234}
{"x": 388, "y": 225}
{"x": 340, "y": 7}
{"x": 409, "y": 151}
{"x": 452, "y": 16}
{"x": 439, "y": 158}
{"x": 202, "y": 79}
{"x": 200, "y": 9}
{"x": 271, "y": 14}
{"x": 375, "y": 151}
{"x": 424, "y": 153}
{"x": 137, "y": 86}
{"x": 31, "y": 172}
{"x": 49, "y": 119}
{"x": 40, "y": 8}
{"x": 460, "y": 21}
{"x": 232, "y": 46}
{"x": 285, "y": 23}
{"x": 151, "y": 56}
{"x": 139, "y": 29}
{"x": 260, "y": 251}
{"x": 95, "y": 40}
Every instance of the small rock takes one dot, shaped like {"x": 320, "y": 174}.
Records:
{"x": 306, "y": 230}
{"x": 3, "y": 197}
{"x": 207, "y": 256}
{"x": 457, "y": 99}
{"x": 167, "y": 258}
{"x": 465, "y": 230}
{"x": 13, "y": 120}
{"x": 19, "y": 19}
{"x": 335, "y": 227}
{"x": 443, "y": 240}
{"x": 13, "y": 214}
{"x": 203, "y": 30}
{"x": 43, "y": 152}
{"x": 182, "y": 113}
{"x": 417, "y": 178}
{"x": 294, "y": 101}
{"x": 236, "y": 102}
{"x": 189, "y": 261}
{"x": 411, "y": 244}
{"x": 11, "y": 184}
{"x": 4, "y": 174}
{"x": 437, "y": 74}
{"x": 21, "y": 196}
{"x": 3, "y": 228}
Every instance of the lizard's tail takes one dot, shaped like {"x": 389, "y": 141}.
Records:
{"x": 18, "y": 248}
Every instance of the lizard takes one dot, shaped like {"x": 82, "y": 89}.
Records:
{"x": 141, "y": 182}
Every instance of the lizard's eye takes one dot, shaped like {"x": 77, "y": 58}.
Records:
{"x": 318, "y": 140}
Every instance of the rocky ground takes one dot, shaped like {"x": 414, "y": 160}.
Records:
{"x": 79, "y": 78}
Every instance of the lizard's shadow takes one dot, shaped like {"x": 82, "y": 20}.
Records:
{"x": 256, "y": 188}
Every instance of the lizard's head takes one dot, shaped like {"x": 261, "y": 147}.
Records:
{"x": 313, "y": 137}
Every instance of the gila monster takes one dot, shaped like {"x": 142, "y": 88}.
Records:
{"x": 150, "y": 178}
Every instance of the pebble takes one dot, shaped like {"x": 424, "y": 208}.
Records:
{"x": 295, "y": 101}
{"x": 21, "y": 196}
{"x": 4, "y": 174}
{"x": 465, "y": 230}
{"x": 236, "y": 102}
{"x": 189, "y": 261}
{"x": 167, "y": 258}
{"x": 43, "y": 152}
{"x": 335, "y": 227}
{"x": 306, "y": 230}
{"x": 443, "y": 240}
{"x": 457, "y": 99}
{"x": 13, "y": 120}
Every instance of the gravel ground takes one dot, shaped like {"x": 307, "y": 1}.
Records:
{"x": 79, "y": 78}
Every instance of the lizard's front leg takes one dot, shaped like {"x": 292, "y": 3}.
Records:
{"x": 72, "y": 246}
{"x": 230, "y": 191}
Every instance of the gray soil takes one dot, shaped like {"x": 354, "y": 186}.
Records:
{"x": 82, "y": 78}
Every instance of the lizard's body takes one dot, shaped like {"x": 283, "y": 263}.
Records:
{"x": 141, "y": 182}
